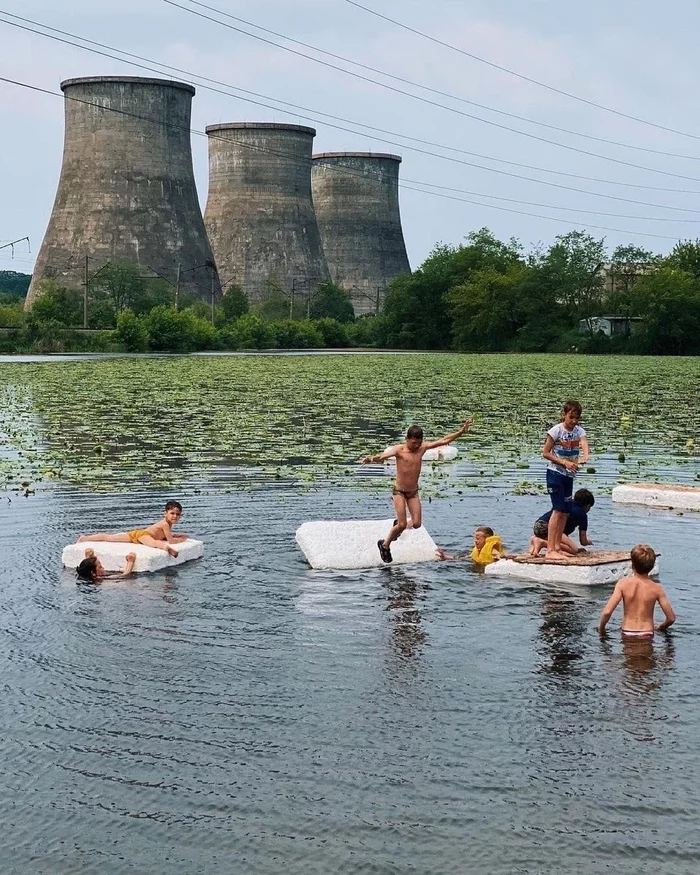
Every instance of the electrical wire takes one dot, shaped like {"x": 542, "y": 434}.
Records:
{"x": 529, "y": 79}
{"x": 295, "y": 158}
{"x": 434, "y": 103}
{"x": 160, "y": 66}
{"x": 442, "y": 92}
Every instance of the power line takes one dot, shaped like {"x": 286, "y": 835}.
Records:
{"x": 160, "y": 66}
{"x": 338, "y": 169}
{"x": 442, "y": 92}
{"x": 433, "y": 102}
{"x": 529, "y": 79}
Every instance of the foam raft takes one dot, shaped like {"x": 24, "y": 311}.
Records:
{"x": 665, "y": 495}
{"x": 345, "y": 544}
{"x": 112, "y": 554}
{"x": 595, "y": 568}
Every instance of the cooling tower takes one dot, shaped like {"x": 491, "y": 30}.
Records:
{"x": 259, "y": 214}
{"x": 126, "y": 191}
{"x": 356, "y": 198}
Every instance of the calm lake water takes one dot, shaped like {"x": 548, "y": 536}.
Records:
{"x": 245, "y": 714}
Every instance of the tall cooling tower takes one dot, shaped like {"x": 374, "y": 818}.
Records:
{"x": 127, "y": 191}
{"x": 356, "y": 198}
{"x": 259, "y": 214}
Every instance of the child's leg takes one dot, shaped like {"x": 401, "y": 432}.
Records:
{"x": 120, "y": 537}
{"x": 416, "y": 511}
{"x": 148, "y": 541}
{"x": 557, "y": 521}
{"x": 401, "y": 519}
{"x": 568, "y": 546}
{"x": 536, "y": 545}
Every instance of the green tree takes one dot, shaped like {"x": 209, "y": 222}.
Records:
{"x": 334, "y": 334}
{"x": 331, "y": 301}
{"x": 669, "y": 302}
{"x": 13, "y": 284}
{"x": 685, "y": 255}
{"x": 234, "y": 303}
{"x": 120, "y": 284}
{"x": 627, "y": 265}
{"x": 252, "y": 332}
{"x": 290, "y": 334}
{"x": 57, "y": 304}
{"x": 12, "y": 315}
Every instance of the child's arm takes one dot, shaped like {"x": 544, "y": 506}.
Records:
{"x": 441, "y": 555}
{"x": 585, "y": 451}
{"x": 442, "y": 442}
{"x": 129, "y": 567}
{"x": 670, "y": 614}
{"x": 583, "y": 538}
{"x": 550, "y": 457}
{"x": 608, "y": 610}
{"x": 388, "y": 453}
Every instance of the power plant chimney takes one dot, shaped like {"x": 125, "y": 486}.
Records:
{"x": 127, "y": 191}
{"x": 356, "y": 198}
{"x": 259, "y": 214}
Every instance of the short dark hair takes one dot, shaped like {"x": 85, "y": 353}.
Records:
{"x": 487, "y": 530}
{"x": 415, "y": 431}
{"x": 87, "y": 570}
{"x": 572, "y": 405}
{"x": 584, "y": 497}
{"x": 643, "y": 558}
{"x": 173, "y": 504}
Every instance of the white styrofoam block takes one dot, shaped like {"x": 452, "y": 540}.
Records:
{"x": 112, "y": 554}
{"x": 437, "y": 454}
{"x": 584, "y": 575}
{"x": 353, "y": 544}
{"x": 658, "y": 495}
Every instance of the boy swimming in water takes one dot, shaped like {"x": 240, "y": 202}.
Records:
{"x": 409, "y": 459}
{"x": 565, "y": 448}
{"x": 639, "y": 595}
{"x": 159, "y": 535}
{"x": 93, "y": 571}
{"x": 576, "y": 519}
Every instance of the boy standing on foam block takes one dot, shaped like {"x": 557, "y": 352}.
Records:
{"x": 159, "y": 535}
{"x": 409, "y": 459}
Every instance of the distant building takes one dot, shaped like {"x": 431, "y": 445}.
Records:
{"x": 610, "y": 326}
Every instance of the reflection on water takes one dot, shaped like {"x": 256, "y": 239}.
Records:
{"x": 405, "y": 592}
{"x": 563, "y": 628}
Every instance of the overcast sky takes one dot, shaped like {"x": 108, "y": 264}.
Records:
{"x": 636, "y": 56}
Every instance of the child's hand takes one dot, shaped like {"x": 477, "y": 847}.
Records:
{"x": 467, "y": 425}
{"x": 367, "y": 460}
{"x": 440, "y": 553}
{"x": 131, "y": 557}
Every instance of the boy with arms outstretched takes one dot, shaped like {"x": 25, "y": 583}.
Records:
{"x": 409, "y": 459}
{"x": 639, "y": 595}
{"x": 565, "y": 448}
{"x": 159, "y": 535}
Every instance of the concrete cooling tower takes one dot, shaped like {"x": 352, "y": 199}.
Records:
{"x": 127, "y": 191}
{"x": 259, "y": 214}
{"x": 356, "y": 198}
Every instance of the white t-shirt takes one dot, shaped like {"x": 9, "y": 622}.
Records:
{"x": 567, "y": 445}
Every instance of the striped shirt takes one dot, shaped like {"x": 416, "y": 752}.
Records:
{"x": 567, "y": 445}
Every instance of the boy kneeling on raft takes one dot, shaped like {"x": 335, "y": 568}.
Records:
{"x": 577, "y": 519}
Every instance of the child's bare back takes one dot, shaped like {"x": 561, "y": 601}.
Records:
{"x": 639, "y": 595}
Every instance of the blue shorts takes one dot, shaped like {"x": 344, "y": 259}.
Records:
{"x": 560, "y": 489}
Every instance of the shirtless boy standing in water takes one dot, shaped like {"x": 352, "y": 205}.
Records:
{"x": 639, "y": 595}
{"x": 409, "y": 458}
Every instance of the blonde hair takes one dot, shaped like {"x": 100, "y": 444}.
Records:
{"x": 643, "y": 558}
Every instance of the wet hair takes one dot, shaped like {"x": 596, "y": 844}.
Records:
{"x": 643, "y": 558}
{"x": 584, "y": 497}
{"x": 572, "y": 405}
{"x": 486, "y": 530}
{"x": 415, "y": 431}
{"x": 87, "y": 570}
{"x": 170, "y": 505}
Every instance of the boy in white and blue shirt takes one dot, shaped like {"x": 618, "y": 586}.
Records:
{"x": 565, "y": 448}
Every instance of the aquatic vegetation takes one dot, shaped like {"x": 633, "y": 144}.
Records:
{"x": 114, "y": 423}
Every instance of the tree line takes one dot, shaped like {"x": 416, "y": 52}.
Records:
{"x": 484, "y": 295}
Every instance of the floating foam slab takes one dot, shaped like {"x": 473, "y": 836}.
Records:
{"x": 437, "y": 454}
{"x": 344, "y": 544}
{"x": 658, "y": 495}
{"x": 595, "y": 568}
{"x": 112, "y": 554}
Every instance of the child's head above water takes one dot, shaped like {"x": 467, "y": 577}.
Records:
{"x": 643, "y": 558}
{"x": 414, "y": 437}
{"x": 89, "y": 568}
{"x": 173, "y": 511}
{"x": 481, "y": 533}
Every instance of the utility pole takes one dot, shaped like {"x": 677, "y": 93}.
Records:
{"x": 85, "y": 293}
{"x": 378, "y": 294}
{"x": 177, "y": 283}
{"x": 291, "y": 301}
{"x": 212, "y": 295}
{"x": 13, "y": 243}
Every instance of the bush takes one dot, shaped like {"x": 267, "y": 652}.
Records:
{"x": 296, "y": 335}
{"x": 333, "y": 302}
{"x": 234, "y": 303}
{"x": 334, "y": 333}
{"x": 251, "y": 332}
{"x": 131, "y": 332}
{"x": 368, "y": 331}
{"x": 12, "y": 315}
{"x": 58, "y": 304}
